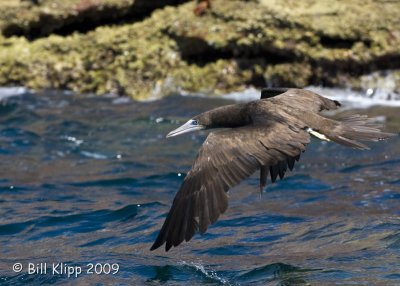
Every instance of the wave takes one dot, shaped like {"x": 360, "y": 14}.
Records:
{"x": 6, "y": 92}
{"x": 351, "y": 98}
{"x": 77, "y": 222}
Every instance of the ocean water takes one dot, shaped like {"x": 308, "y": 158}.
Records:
{"x": 86, "y": 183}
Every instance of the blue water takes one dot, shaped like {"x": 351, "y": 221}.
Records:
{"x": 88, "y": 180}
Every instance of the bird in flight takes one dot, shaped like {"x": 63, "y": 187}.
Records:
{"x": 267, "y": 135}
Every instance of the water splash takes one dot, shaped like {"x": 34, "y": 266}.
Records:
{"x": 204, "y": 270}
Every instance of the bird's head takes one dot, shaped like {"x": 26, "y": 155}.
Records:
{"x": 193, "y": 124}
{"x": 228, "y": 116}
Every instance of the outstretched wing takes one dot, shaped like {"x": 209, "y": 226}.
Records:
{"x": 305, "y": 100}
{"x": 225, "y": 159}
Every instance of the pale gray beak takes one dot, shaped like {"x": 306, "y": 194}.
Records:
{"x": 185, "y": 128}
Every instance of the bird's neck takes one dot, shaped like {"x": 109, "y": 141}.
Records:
{"x": 229, "y": 116}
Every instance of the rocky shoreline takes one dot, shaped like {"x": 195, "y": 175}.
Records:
{"x": 128, "y": 48}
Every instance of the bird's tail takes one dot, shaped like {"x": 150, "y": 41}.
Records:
{"x": 350, "y": 130}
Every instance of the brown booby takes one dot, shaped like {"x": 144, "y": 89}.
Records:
{"x": 267, "y": 135}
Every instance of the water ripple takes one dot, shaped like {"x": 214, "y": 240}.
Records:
{"x": 91, "y": 179}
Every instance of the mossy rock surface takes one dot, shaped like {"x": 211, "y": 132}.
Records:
{"x": 234, "y": 45}
{"x": 38, "y": 18}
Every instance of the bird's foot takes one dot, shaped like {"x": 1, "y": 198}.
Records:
{"x": 261, "y": 190}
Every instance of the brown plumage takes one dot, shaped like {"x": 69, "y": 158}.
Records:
{"x": 267, "y": 134}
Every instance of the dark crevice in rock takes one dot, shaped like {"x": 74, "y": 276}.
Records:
{"x": 336, "y": 43}
{"x": 336, "y": 72}
{"x": 257, "y": 80}
{"x": 356, "y": 68}
{"x": 85, "y": 18}
{"x": 197, "y": 51}
{"x": 340, "y": 43}
{"x": 387, "y": 61}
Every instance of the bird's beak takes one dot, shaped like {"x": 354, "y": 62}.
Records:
{"x": 185, "y": 128}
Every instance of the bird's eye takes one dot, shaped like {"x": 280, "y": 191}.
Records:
{"x": 194, "y": 122}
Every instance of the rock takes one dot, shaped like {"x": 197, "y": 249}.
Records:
{"x": 233, "y": 45}
{"x": 33, "y": 18}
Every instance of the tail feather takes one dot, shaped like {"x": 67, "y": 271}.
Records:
{"x": 355, "y": 128}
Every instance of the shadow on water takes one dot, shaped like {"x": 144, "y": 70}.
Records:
{"x": 90, "y": 180}
{"x": 280, "y": 273}
{"x": 276, "y": 273}
{"x": 183, "y": 271}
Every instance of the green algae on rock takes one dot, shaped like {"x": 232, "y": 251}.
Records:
{"x": 38, "y": 18}
{"x": 236, "y": 44}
